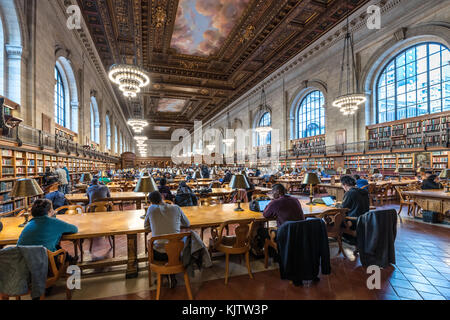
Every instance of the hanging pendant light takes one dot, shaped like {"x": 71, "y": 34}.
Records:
{"x": 137, "y": 123}
{"x": 263, "y": 131}
{"x": 349, "y": 101}
{"x": 228, "y": 141}
{"x": 211, "y": 146}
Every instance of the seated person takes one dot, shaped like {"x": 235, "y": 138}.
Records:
{"x": 432, "y": 182}
{"x": 97, "y": 192}
{"x": 361, "y": 183}
{"x": 185, "y": 197}
{"x": 161, "y": 219}
{"x": 57, "y": 198}
{"x": 165, "y": 190}
{"x": 283, "y": 207}
{"x": 45, "y": 230}
{"x": 356, "y": 200}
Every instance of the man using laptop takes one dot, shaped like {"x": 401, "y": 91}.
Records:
{"x": 282, "y": 208}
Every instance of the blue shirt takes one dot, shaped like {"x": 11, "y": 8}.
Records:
{"x": 57, "y": 198}
{"x": 45, "y": 231}
{"x": 98, "y": 192}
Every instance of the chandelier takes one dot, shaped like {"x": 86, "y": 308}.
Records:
{"x": 263, "y": 131}
{"x": 129, "y": 78}
{"x": 229, "y": 141}
{"x": 349, "y": 101}
{"x": 137, "y": 123}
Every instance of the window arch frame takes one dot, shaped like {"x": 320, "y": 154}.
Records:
{"x": 301, "y": 102}
{"x": 60, "y": 99}
{"x": 95, "y": 120}
{"x": 383, "y": 69}
{"x": 108, "y": 132}
{"x": 116, "y": 140}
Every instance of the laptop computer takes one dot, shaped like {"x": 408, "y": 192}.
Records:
{"x": 328, "y": 201}
{"x": 263, "y": 204}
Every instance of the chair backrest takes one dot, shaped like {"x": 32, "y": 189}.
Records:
{"x": 259, "y": 195}
{"x": 333, "y": 219}
{"x": 101, "y": 206}
{"x": 70, "y": 210}
{"x": 173, "y": 247}
{"x": 242, "y": 231}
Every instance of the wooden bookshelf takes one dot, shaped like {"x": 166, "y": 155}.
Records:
{"x": 430, "y": 131}
{"x": 314, "y": 144}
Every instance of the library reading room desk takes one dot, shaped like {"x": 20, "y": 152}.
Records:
{"x": 130, "y": 223}
{"x": 431, "y": 200}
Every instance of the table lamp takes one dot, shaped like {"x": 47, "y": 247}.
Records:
{"x": 86, "y": 178}
{"x": 445, "y": 174}
{"x": 26, "y": 188}
{"x": 146, "y": 185}
{"x": 311, "y": 179}
{"x": 197, "y": 175}
{"x": 237, "y": 182}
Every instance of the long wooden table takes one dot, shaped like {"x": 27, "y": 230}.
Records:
{"x": 129, "y": 223}
{"x": 431, "y": 200}
{"x": 115, "y": 196}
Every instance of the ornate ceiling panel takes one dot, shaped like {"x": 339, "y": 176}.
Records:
{"x": 203, "y": 54}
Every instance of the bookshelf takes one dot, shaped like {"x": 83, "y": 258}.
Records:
{"x": 314, "y": 144}
{"x": 430, "y": 131}
{"x": 16, "y": 164}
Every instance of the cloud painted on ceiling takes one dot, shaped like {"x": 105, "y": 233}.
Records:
{"x": 171, "y": 105}
{"x": 202, "y": 26}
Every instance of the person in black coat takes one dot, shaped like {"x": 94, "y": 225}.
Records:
{"x": 431, "y": 183}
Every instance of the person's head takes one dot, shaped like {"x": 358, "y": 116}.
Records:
{"x": 155, "y": 197}
{"x": 163, "y": 181}
{"x": 41, "y": 208}
{"x": 95, "y": 181}
{"x": 278, "y": 191}
{"x": 47, "y": 169}
{"x": 348, "y": 182}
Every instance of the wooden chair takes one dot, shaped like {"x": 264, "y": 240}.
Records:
{"x": 334, "y": 219}
{"x": 405, "y": 201}
{"x": 232, "y": 245}
{"x": 54, "y": 273}
{"x": 117, "y": 203}
{"x": 73, "y": 210}
{"x": 259, "y": 195}
{"x": 102, "y": 206}
{"x": 270, "y": 243}
{"x": 174, "y": 265}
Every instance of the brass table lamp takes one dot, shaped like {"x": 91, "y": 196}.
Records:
{"x": 239, "y": 181}
{"x": 25, "y": 188}
{"x": 312, "y": 180}
{"x": 445, "y": 174}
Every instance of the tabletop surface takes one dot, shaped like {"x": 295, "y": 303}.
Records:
{"x": 129, "y": 222}
{"x": 114, "y": 195}
{"x": 441, "y": 194}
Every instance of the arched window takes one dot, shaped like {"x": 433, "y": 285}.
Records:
{"x": 95, "y": 121}
{"x": 116, "y": 140}
{"x": 121, "y": 142}
{"x": 311, "y": 115}
{"x": 264, "y": 121}
{"x": 108, "y": 133}
{"x": 414, "y": 83}
{"x": 60, "y": 99}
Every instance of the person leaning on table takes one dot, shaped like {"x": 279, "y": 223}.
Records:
{"x": 161, "y": 219}
{"x": 45, "y": 230}
{"x": 97, "y": 191}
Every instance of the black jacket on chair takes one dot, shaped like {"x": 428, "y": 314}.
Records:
{"x": 356, "y": 201}
{"x": 376, "y": 232}
{"x": 303, "y": 250}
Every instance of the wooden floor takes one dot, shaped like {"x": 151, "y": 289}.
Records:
{"x": 422, "y": 271}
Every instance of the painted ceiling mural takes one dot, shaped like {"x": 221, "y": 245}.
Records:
{"x": 201, "y": 26}
{"x": 171, "y": 105}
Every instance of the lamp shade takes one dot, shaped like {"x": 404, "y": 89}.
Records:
{"x": 146, "y": 185}
{"x": 347, "y": 171}
{"x": 374, "y": 171}
{"x": 26, "y": 188}
{"x": 86, "y": 178}
{"x": 239, "y": 181}
{"x": 445, "y": 174}
{"x": 311, "y": 179}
